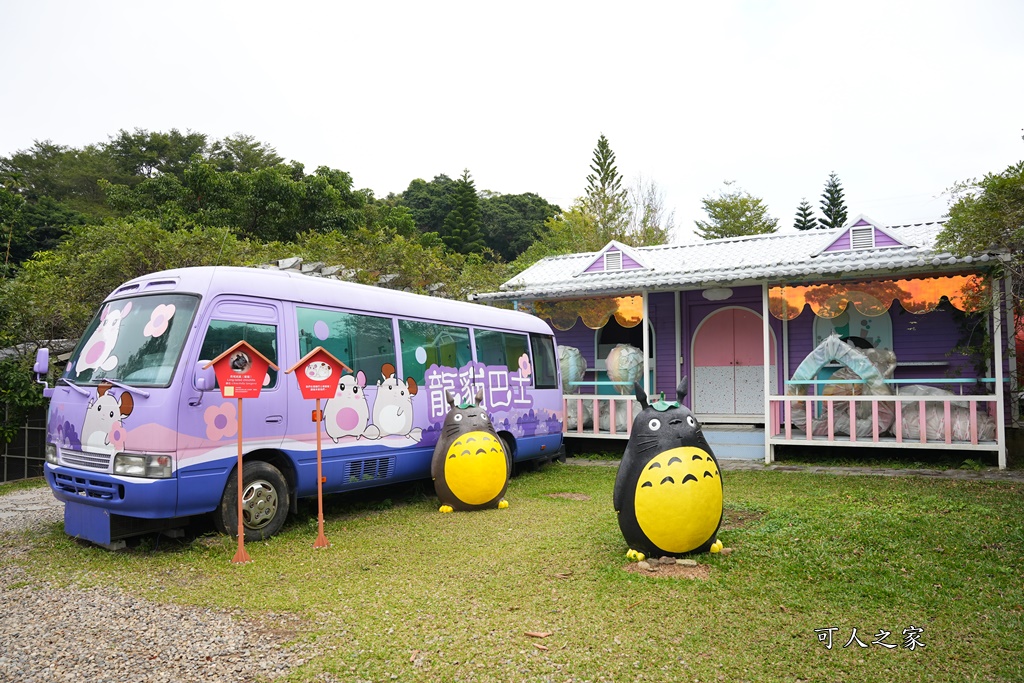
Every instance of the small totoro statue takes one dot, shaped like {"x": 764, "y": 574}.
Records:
{"x": 668, "y": 490}
{"x": 470, "y": 468}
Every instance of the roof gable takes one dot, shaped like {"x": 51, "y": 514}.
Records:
{"x": 863, "y": 233}
{"x": 615, "y": 257}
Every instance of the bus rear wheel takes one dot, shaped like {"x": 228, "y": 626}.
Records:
{"x": 265, "y": 502}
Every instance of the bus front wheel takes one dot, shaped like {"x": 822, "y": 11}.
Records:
{"x": 264, "y": 502}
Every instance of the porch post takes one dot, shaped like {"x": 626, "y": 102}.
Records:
{"x": 769, "y": 450}
{"x": 1011, "y": 347}
{"x": 679, "y": 340}
{"x": 998, "y": 339}
{"x": 647, "y": 344}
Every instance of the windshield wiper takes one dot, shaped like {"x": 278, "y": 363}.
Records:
{"x": 74, "y": 386}
{"x": 127, "y": 387}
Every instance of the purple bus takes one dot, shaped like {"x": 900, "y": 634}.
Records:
{"x": 139, "y": 438}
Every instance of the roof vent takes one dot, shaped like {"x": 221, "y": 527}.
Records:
{"x": 613, "y": 260}
{"x": 862, "y": 237}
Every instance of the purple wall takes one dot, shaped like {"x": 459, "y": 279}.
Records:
{"x": 883, "y": 240}
{"x": 627, "y": 263}
{"x": 842, "y": 243}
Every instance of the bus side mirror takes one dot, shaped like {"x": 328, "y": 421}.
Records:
{"x": 41, "y": 368}
{"x": 204, "y": 378}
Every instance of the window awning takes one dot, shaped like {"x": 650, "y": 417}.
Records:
{"x": 872, "y": 298}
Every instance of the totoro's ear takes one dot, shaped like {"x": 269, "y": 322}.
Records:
{"x": 682, "y": 389}
{"x": 448, "y": 397}
{"x": 640, "y": 395}
{"x": 479, "y": 398}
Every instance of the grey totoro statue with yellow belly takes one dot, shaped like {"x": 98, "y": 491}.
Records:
{"x": 470, "y": 468}
{"x": 668, "y": 490}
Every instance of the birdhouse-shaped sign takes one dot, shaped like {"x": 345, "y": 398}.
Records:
{"x": 241, "y": 371}
{"x": 318, "y": 373}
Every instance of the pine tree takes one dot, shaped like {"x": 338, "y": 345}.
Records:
{"x": 461, "y": 230}
{"x": 805, "y": 216}
{"x": 832, "y": 204}
{"x": 606, "y": 199}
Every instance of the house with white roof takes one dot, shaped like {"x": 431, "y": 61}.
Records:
{"x": 745, "y": 324}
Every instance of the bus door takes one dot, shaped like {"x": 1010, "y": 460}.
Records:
{"x": 208, "y": 431}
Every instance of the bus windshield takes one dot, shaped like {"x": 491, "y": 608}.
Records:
{"x": 137, "y": 341}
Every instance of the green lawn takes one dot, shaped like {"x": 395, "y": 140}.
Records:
{"x": 406, "y": 593}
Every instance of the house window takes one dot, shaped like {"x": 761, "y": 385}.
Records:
{"x": 862, "y": 237}
{"x": 613, "y": 260}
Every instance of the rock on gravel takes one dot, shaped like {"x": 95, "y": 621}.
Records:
{"x": 52, "y": 633}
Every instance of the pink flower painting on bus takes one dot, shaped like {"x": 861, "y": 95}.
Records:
{"x": 221, "y": 421}
{"x": 159, "y": 320}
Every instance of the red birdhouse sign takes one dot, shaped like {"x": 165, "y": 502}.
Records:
{"x": 318, "y": 373}
{"x": 241, "y": 371}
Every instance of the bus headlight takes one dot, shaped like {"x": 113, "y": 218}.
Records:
{"x": 50, "y": 453}
{"x": 149, "y": 466}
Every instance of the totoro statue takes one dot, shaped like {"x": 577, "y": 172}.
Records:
{"x": 470, "y": 468}
{"x": 668, "y": 490}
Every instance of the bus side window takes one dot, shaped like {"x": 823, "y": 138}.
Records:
{"x": 363, "y": 342}
{"x": 545, "y": 366}
{"x": 504, "y": 349}
{"x": 221, "y": 335}
{"x": 426, "y": 344}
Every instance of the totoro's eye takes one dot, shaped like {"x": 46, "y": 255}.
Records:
{"x": 458, "y": 417}
{"x": 654, "y": 424}
{"x": 690, "y": 421}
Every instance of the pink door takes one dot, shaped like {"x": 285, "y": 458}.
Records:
{"x": 728, "y": 364}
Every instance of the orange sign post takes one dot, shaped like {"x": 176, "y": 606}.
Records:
{"x": 319, "y": 379}
{"x": 241, "y": 371}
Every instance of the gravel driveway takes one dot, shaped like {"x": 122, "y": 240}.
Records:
{"x": 53, "y": 633}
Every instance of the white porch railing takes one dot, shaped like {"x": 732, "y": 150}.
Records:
{"x": 600, "y": 416}
{"x": 955, "y": 422}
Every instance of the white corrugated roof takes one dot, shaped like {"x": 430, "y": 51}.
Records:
{"x": 777, "y": 258}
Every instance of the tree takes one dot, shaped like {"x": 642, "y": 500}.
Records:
{"x": 605, "y": 197}
{"x": 430, "y": 203}
{"x": 55, "y": 293}
{"x": 461, "y": 229}
{"x": 988, "y": 214}
{"x": 735, "y": 212}
{"x": 569, "y": 232}
{"x": 10, "y": 212}
{"x": 243, "y": 153}
{"x": 648, "y": 221}
{"x": 832, "y": 205}
{"x": 805, "y": 216}
{"x": 147, "y": 155}
{"x": 510, "y": 223}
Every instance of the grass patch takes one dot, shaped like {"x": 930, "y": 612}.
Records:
{"x": 21, "y": 485}
{"x": 409, "y": 593}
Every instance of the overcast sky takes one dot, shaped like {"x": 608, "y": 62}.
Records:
{"x": 900, "y": 99}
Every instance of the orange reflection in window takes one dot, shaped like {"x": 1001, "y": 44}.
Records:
{"x": 919, "y": 295}
{"x": 628, "y": 311}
